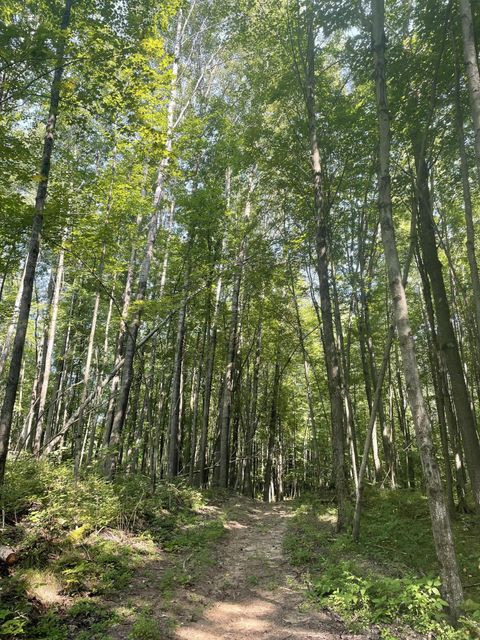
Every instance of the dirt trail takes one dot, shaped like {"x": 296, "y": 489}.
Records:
{"x": 252, "y": 592}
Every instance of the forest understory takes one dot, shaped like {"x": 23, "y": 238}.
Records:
{"x": 239, "y": 319}
{"x": 183, "y": 565}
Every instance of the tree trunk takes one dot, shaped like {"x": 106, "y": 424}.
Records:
{"x": 6, "y": 414}
{"x": 446, "y": 335}
{"x": 13, "y": 323}
{"x": 175, "y": 398}
{"x": 57, "y": 390}
{"x": 467, "y": 203}
{"x": 472, "y": 71}
{"x": 195, "y": 405}
{"x": 441, "y": 526}
{"x": 331, "y": 355}
{"x": 252, "y": 418}
{"x": 228, "y": 382}
{"x": 40, "y": 420}
{"x": 211, "y": 348}
{"x": 436, "y": 370}
{"x": 86, "y": 372}
{"x": 272, "y": 428}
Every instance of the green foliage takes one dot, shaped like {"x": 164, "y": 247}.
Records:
{"x": 103, "y": 567}
{"x": 57, "y": 503}
{"x": 388, "y": 578}
{"x": 11, "y": 625}
{"x": 26, "y": 484}
{"x": 90, "y": 502}
{"x": 195, "y": 535}
{"x": 372, "y": 598}
{"x": 91, "y": 619}
{"x": 145, "y": 628}
{"x": 57, "y": 531}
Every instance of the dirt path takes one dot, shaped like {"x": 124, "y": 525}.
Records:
{"x": 252, "y": 592}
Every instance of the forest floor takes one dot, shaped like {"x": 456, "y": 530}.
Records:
{"x": 248, "y": 591}
{"x": 117, "y": 561}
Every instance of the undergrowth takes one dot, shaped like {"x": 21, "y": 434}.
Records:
{"x": 78, "y": 541}
{"x": 390, "y": 578}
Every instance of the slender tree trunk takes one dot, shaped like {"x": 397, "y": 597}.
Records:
{"x": 272, "y": 429}
{"x": 446, "y": 335}
{"x": 467, "y": 202}
{"x": 367, "y": 374}
{"x": 471, "y": 68}
{"x": 252, "y": 418}
{"x": 120, "y": 349}
{"x": 331, "y": 355}
{"x": 211, "y": 348}
{"x": 6, "y": 414}
{"x": 47, "y": 364}
{"x": 436, "y": 369}
{"x": 130, "y": 349}
{"x": 41, "y": 367}
{"x": 228, "y": 383}
{"x": 86, "y": 372}
{"x": 229, "y": 378}
{"x": 195, "y": 405}
{"x": 308, "y": 386}
{"x": 176, "y": 395}
{"x": 404, "y": 425}
{"x": 13, "y": 323}
{"x": 441, "y": 527}
{"x": 368, "y": 438}
{"x": 349, "y": 416}
{"x": 51, "y": 418}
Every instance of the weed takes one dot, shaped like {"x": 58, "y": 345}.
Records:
{"x": 390, "y": 575}
{"x": 145, "y": 628}
{"x": 54, "y": 522}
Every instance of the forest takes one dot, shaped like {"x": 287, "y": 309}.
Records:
{"x": 239, "y": 319}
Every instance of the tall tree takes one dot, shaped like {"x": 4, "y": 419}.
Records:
{"x": 441, "y": 526}
{"x": 6, "y": 414}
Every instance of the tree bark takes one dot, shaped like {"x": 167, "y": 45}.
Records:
{"x": 252, "y": 417}
{"x": 229, "y": 377}
{"x": 127, "y": 371}
{"x": 441, "y": 527}
{"x": 472, "y": 71}
{"x": 6, "y": 414}
{"x": 330, "y": 349}
{"x": 175, "y": 398}
{"x": 272, "y": 429}
{"x": 436, "y": 370}
{"x": 40, "y": 420}
{"x": 467, "y": 203}
{"x": 86, "y": 372}
{"x": 211, "y": 348}
{"x": 13, "y": 323}
{"x": 446, "y": 335}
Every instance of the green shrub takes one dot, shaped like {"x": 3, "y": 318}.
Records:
{"x": 90, "y": 502}
{"x": 24, "y": 484}
{"x": 382, "y": 582}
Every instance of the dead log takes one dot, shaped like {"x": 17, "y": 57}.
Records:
{"x": 7, "y": 555}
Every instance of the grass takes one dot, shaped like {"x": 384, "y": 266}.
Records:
{"x": 390, "y": 578}
{"x": 145, "y": 628}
